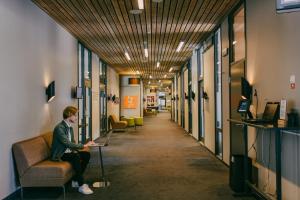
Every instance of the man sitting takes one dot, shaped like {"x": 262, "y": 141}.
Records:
{"x": 64, "y": 148}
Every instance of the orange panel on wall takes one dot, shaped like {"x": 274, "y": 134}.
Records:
{"x": 130, "y": 102}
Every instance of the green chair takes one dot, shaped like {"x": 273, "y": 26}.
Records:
{"x": 138, "y": 121}
{"x": 130, "y": 122}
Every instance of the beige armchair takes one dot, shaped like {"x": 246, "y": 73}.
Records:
{"x": 116, "y": 124}
{"x": 35, "y": 169}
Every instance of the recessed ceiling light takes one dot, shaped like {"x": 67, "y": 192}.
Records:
{"x": 165, "y": 75}
{"x": 135, "y": 11}
{"x": 170, "y": 69}
{"x": 150, "y": 76}
{"x": 157, "y": 64}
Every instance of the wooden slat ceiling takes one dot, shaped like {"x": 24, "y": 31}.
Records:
{"x": 109, "y": 29}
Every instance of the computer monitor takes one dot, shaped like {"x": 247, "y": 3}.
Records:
{"x": 246, "y": 89}
{"x": 244, "y": 106}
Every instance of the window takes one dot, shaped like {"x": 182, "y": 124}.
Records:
{"x": 287, "y": 5}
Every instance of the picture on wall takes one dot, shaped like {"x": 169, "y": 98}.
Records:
{"x": 150, "y": 101}
{"x": 130, "y": 102}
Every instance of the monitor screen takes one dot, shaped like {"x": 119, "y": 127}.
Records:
{"x": 246, "y": 89}
{"x": 243, "y": 106}
{"x": 271, "y": 111}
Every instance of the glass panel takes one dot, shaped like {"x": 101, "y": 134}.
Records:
{"x": 218, "y": 80}
{"x": 87, "y": 97}
{"x": 219, "y": 147}
{"x": 200, "y": 91}
{"x": 103, "y": 99}
{"x": 80, "y": 101}
{"x": 84, "y": 104}
{"x": 238, "y": 42}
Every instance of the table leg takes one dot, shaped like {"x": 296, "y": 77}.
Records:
{"x": 246, "y": 170}
{"x": 102, "y": 182}
{"x": 102, "y": 168}
{"x": 278, "y": 163}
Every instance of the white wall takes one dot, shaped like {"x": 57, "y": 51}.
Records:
{"x": 34, "y": 51}
{"x": 130, "y": 90}
{"x": 194, "y": 69}
{"x": 272, "y": 56}
{"x": 186, "y": 101}
{"x": 95, "y": 97}
{"x": 209, "y": 104}
{"x": 113, "y": 86}
{"x": 179, "y": 100}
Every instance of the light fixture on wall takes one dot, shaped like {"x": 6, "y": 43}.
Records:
{"x": 193, "y": 95}
{"x": 50, "y": 91}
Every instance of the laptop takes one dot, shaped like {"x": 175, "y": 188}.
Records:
{"x": 270, "y": 115}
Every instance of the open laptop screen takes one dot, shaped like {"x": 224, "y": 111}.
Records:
{"x": 271, "y": 111}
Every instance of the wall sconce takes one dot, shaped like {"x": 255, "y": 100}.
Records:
{"x": 204, "y": 95}
{"x": 113, "y": 98}
{"x": 50, "y": 91}
{"x": 109, "y": 97}
{"x": 193, "y": 95}
{"x": 186, "y": 96}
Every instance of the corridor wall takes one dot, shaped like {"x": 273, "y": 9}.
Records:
{"x": 209, "y": 104}
{"x": 272, "y": 57}
{"x": 113, "y": 87}
{"x": 186, "y": 102}
{"x": 194, "y": 68}
{"x": 34, "y": 51}
{"x": 179, "y": 100}
{"x": 130, "y": 90}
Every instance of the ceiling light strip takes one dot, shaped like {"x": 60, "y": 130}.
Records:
{"x": 141, "y": 4}
{"x": 180, "y": 46}
{"x": 127, "y": 55}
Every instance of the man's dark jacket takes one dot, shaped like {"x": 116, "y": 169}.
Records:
{"x": 61, "y": 142}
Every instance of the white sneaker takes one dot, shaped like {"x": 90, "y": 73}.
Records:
{"x": 75, "y": 184}
{"x": 84, "y": 189}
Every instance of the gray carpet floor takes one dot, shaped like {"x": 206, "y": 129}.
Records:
{"x": 158, "y": 161}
